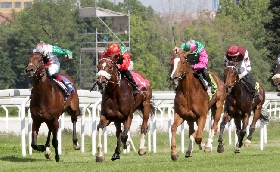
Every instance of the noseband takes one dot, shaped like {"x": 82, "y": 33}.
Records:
{"x": 104, "y": 73}
{"x": 39, "y": 69}
{"x": 236, "y": 80}
{"x": 180, "y": 77}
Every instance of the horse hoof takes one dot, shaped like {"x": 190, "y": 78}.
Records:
{"x": 175, "y": 157}
{"x": 246, "y": 144}
{"x": 188, "y": 154}
{"x": 48, "y": 153}
{"x": 142, "y": 151}
{"x": 57, "y": 158}
{"x": 207, "y": 150}
{"x": 77, "y": 147}
{"x": 115, "y": 157}
{"x": 220, "y": 149}
{"x": 237, "y": 150}
{"x": 99, "y": 158}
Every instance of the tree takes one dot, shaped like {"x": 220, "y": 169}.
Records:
{"x": 273, "y": 31}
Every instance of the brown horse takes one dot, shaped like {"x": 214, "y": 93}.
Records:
{"x": 47, "y": 105}
{"x": 192, "y": 103}
{"x": 118, "y": 105}
{"x": 238, "y": 105}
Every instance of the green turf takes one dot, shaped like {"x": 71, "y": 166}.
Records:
{"x": 250, "y": 159}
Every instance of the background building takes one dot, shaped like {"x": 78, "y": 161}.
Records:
{"x": 6, "y": 6}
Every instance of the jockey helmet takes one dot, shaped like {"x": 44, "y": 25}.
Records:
{"x": 189, "y": 46}
{"x": 113, "y": 49}
{"x": 42, "y": 48}
{"x": 233, "y": 51}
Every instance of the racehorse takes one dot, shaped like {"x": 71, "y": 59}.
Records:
{"x": 48, "y": 103}
{"x": 192, "y": 103}
{"x": 275, "y": 78}
{"x": 238, "y": 105}
{"x": 118, "y": 105}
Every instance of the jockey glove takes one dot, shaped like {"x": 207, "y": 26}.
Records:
{"x": 120, "y": 60}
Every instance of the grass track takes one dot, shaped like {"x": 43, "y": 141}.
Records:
{"x": 250, "y": 159}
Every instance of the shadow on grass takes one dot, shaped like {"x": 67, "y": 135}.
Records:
{"x": 13, "y": 158}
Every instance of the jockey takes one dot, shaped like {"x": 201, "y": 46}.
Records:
{"x": 198, "y": 58}
{"x": 51, "y": 62}
{"x": 121, "y": 55}
{"x": 239, "y": 55}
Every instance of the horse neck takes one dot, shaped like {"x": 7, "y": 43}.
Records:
{"x": 239, "y": 88}
{"x": 189, "y": 82}
{"x": 42, "y": 85}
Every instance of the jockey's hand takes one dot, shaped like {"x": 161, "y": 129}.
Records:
{"x": 176, "y": 49}
{"x": 67, "y": 56}
{"x": 240, "y": 76}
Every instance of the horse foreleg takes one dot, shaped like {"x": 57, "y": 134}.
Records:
{"x": 117, "y": 152}
{"x": 216, "y": 112}
{"x": 54, "y": 140}
{"x": 177, "y": 121}
{"x": 74, "y": 137}
{"x": 257, "y": 113}
{"x": 48, "y": 151}
{"x": 103, "y": 122}
{"x": 200, "y": 127}
{"x": 124, "y": 134}
{"x": 238, "y": 133}
{"x": 35, "y": 129}
{"x": 192, "y": 138}
{"x": 142, "y": 149}
{"x": 225, "y": 120}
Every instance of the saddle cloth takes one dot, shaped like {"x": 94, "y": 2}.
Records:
{"x": 140, "y": 81}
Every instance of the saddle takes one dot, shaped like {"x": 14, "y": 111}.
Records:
{"x": 68, "y": 89}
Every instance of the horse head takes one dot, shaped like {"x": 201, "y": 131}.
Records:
{"x": 276, "y": 76}
{"x": 230, "y": 76}
{"x": 180, "y": 67}
{"x": 107, "y": 72}
{"x": 35, "y": 66}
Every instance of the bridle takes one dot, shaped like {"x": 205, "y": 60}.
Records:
{"x": 183, "y": 74}
{"x": 107, "y": 75}
{"x": 229, "y": 88}
{"x": 39, "y": 72}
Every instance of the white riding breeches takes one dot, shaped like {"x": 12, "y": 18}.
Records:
{"x": 53, "y": 68}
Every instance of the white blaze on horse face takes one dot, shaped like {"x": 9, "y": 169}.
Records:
{"x": 102, "y": 72}
{"x": 176, "y": 61}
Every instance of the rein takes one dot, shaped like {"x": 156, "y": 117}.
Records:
{"x": 38, "y": 74}
{"x": 235, "y": 82}
{"x": 185, "y": 72}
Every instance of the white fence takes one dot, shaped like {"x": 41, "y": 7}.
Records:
{"x": 89, "y": 103}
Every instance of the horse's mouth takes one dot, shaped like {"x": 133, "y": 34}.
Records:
{"x": 174, "y": 80}
{"x": 29, "y": 73}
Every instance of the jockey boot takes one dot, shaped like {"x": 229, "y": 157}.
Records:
{"x": 68, "y": 88}
{"x": 130, "y": 78}
{"x": 207, "y": 78}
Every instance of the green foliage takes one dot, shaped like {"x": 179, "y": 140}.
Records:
{"x": 273, "y": 32}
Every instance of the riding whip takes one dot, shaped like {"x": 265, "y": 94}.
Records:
{"x": 173, "y": 35}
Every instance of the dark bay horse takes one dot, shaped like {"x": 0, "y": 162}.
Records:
{"x": 118, "y": 105}
{"x": 47, "y": 105}
{"x": 238, "y": 105}
{"x": 192, "y": 104}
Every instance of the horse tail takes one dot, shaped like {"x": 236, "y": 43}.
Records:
{"x": 153, "y": 108}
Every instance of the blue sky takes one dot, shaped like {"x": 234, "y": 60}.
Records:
{"x": 177, "y": 5}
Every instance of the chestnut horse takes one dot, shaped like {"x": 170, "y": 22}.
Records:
{"x": 47, "y": 105}
{"x": 238, "y": 105}
{"x": 118, "y": 105}
{"x": 192, "y": 103}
